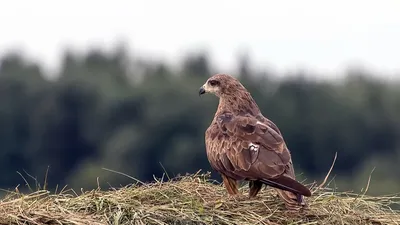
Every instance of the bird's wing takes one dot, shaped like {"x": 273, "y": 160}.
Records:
{"x": 216, "y": 147}
{"x": 249, "y": 149}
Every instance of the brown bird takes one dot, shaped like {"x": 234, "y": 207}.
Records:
{"x": 242, "y": 144}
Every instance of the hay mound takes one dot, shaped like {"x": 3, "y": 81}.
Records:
{"x": 191, "y": 199}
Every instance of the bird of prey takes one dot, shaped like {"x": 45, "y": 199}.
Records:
{"x": 241, "y": 144}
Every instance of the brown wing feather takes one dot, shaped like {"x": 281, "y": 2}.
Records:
{"x": 218, "y": 145}
{"x": 288, "y": 196}
{"x": 227, "y": 144}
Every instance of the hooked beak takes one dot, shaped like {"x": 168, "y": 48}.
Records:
{"x": 202, "y": 91}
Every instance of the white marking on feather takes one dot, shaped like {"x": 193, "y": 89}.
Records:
{"x": 253, "y": 147}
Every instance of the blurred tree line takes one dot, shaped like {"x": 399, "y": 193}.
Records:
{"x": 142, "y": 118}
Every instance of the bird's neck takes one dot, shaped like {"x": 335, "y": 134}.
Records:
{"x": 240, "y": 104}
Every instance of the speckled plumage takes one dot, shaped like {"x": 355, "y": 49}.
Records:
{"x": 241, "y": 144}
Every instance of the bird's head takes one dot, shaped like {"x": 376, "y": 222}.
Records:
{"x": 221, "y": 85}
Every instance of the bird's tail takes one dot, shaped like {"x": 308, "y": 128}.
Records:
{"x": 288, "y": 184}
{"x": 292, "y": 201}
{"x": 290, "y": 191}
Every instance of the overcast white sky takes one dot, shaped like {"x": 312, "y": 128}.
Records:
{"x": 282, "y": 35}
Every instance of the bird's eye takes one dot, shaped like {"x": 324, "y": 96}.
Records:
{"x": 213, "y": 82}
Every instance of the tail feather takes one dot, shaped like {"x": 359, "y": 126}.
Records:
{"x": 288, "y": 184}
{"x": 292, "y": 201}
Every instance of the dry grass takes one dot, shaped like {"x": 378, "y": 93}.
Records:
{"x": 191, "y": 199}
